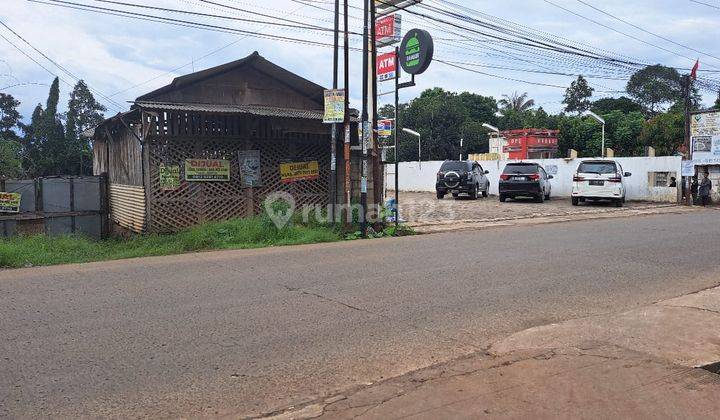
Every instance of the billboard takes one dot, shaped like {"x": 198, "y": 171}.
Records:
{"x": 705, "y": 138}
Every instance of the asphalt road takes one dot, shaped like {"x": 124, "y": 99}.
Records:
{"x": 241, "y": 332}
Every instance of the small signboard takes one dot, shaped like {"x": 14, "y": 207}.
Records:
{"x": 388, "y": 30}
{"x": 386, "y": 66}
{"x": 299, "y": 171}
{"x": 385, "y": 128}
{"x": 334, "y": 106}
{"x": 9, "y": 202}
{"x": 169, "y": 177}
{"x": 250, "y": 168}
{"x": 197, "y": 170}
{"x": 688, "y": 168}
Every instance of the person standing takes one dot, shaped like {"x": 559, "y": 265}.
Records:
{"x": 704, "y": 190}
{"x": 694, "y": 190}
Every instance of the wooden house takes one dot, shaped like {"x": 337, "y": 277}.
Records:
{"x": 212, "y": 145}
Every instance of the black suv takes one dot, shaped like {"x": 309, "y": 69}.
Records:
{"x": 461, "y": 177}
{"x": 525, "y": 180}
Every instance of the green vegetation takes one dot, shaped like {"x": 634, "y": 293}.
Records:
{"x": 256, "y": 232}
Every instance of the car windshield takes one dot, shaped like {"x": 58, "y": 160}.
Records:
{"x": 520, "y": 169}
{"x": 454, "y": 166}
{"x": 597, "y": 168}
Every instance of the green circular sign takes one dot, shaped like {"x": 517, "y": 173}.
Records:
{"x": 416, "y": 51}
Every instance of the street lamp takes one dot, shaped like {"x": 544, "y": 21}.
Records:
{"x": 415, "y": 133}
{"x": 601, "y": 121}
{"x": 491, "y": 128}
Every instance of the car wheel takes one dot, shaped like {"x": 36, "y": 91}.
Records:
{"x": 455, "y": 195}
{"x": 474, "y": 193}
{"x": 547, "y": 196}
{"x": 575, "y": 201}
{"x": 619, "y": 202}
{"x": 485, "y": 193}
{"x": 540, "y": 198}
{"x": 440, "y": 195}
{"x": 502, "y": 198}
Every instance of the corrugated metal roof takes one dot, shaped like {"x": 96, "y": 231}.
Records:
{"x": 259, "y": 110}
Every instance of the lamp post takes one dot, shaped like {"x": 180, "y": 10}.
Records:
{"x": 416, "y": 134}
{"x": 599, "y": 119}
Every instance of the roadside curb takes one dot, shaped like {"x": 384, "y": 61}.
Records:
{"x": 456, "y": 225}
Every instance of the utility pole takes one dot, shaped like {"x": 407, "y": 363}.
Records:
{"x": 333, "y": 136}
{"x": 396, "y": 133}
{"x": 346, "y": 70}
{"x": 687, "y": 81}
{"x": 366, "y": 129}
{"x": 377, "y": 179}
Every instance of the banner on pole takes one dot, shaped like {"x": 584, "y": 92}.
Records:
{"x": 388, "y": 30}
{"x": 334, "y": 106}
{"x": 386, "y": 66}
{"x": 385, "y": 128}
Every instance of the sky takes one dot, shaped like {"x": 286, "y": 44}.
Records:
{"x": 122, "y": 58}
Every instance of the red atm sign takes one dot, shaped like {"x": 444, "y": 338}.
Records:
{"x": 386, "y": 66}
{"x": 387, "y": 30}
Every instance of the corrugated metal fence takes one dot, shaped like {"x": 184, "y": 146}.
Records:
{"x": 57, "y": 206}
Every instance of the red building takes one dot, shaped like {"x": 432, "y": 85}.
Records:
{"x": 531, "y": 143}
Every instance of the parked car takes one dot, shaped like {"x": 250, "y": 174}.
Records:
{"x": 524, "y": 179}
{"x": 462, "y": 177}
{"x": 599, "y": 179}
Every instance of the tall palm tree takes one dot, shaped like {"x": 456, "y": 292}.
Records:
{"x": 516, "y": 102}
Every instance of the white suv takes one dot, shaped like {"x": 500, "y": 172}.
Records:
{"x": 599, "y": 180}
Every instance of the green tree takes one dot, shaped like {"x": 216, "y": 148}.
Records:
{"x": 717, "y": 101}
{"x": 577, "y": 96}
{"x": 516, "y": 102}
{"x": 664, "y": 132}
{"x": 84, "y": 112}
{"x": 438, "y": 116}
{"x": 10, "y": 148}
{"x": 655, "y": 87}
{"x": 623, "y": 104}
{"x": 44, "y": 141}
{"x": 623, "y": 131}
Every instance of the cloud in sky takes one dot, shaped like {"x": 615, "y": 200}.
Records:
{"x": 113, "y": 53}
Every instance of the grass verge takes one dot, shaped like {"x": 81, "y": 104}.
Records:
{"x": 255, "y": 232}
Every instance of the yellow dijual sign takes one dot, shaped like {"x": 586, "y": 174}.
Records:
{"x": 207, "y": 170}
{"x": 9, "y": 202}
{"x": 299, "y": 171}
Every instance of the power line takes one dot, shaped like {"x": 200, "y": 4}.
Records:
{"x": 110, "y": 101}
{"x": 648, "y": 32}
{"x": 215, "y": 51}
{"x": 618, "y": 31}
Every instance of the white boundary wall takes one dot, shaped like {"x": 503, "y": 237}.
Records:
{"x": 416, "y": 176}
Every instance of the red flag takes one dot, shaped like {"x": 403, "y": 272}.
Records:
{"x": 693, "y": 73}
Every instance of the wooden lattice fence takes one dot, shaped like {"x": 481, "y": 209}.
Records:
{"x": 198, "y": 202}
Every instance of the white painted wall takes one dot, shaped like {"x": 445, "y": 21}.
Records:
{"x": 421, "y": 177}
